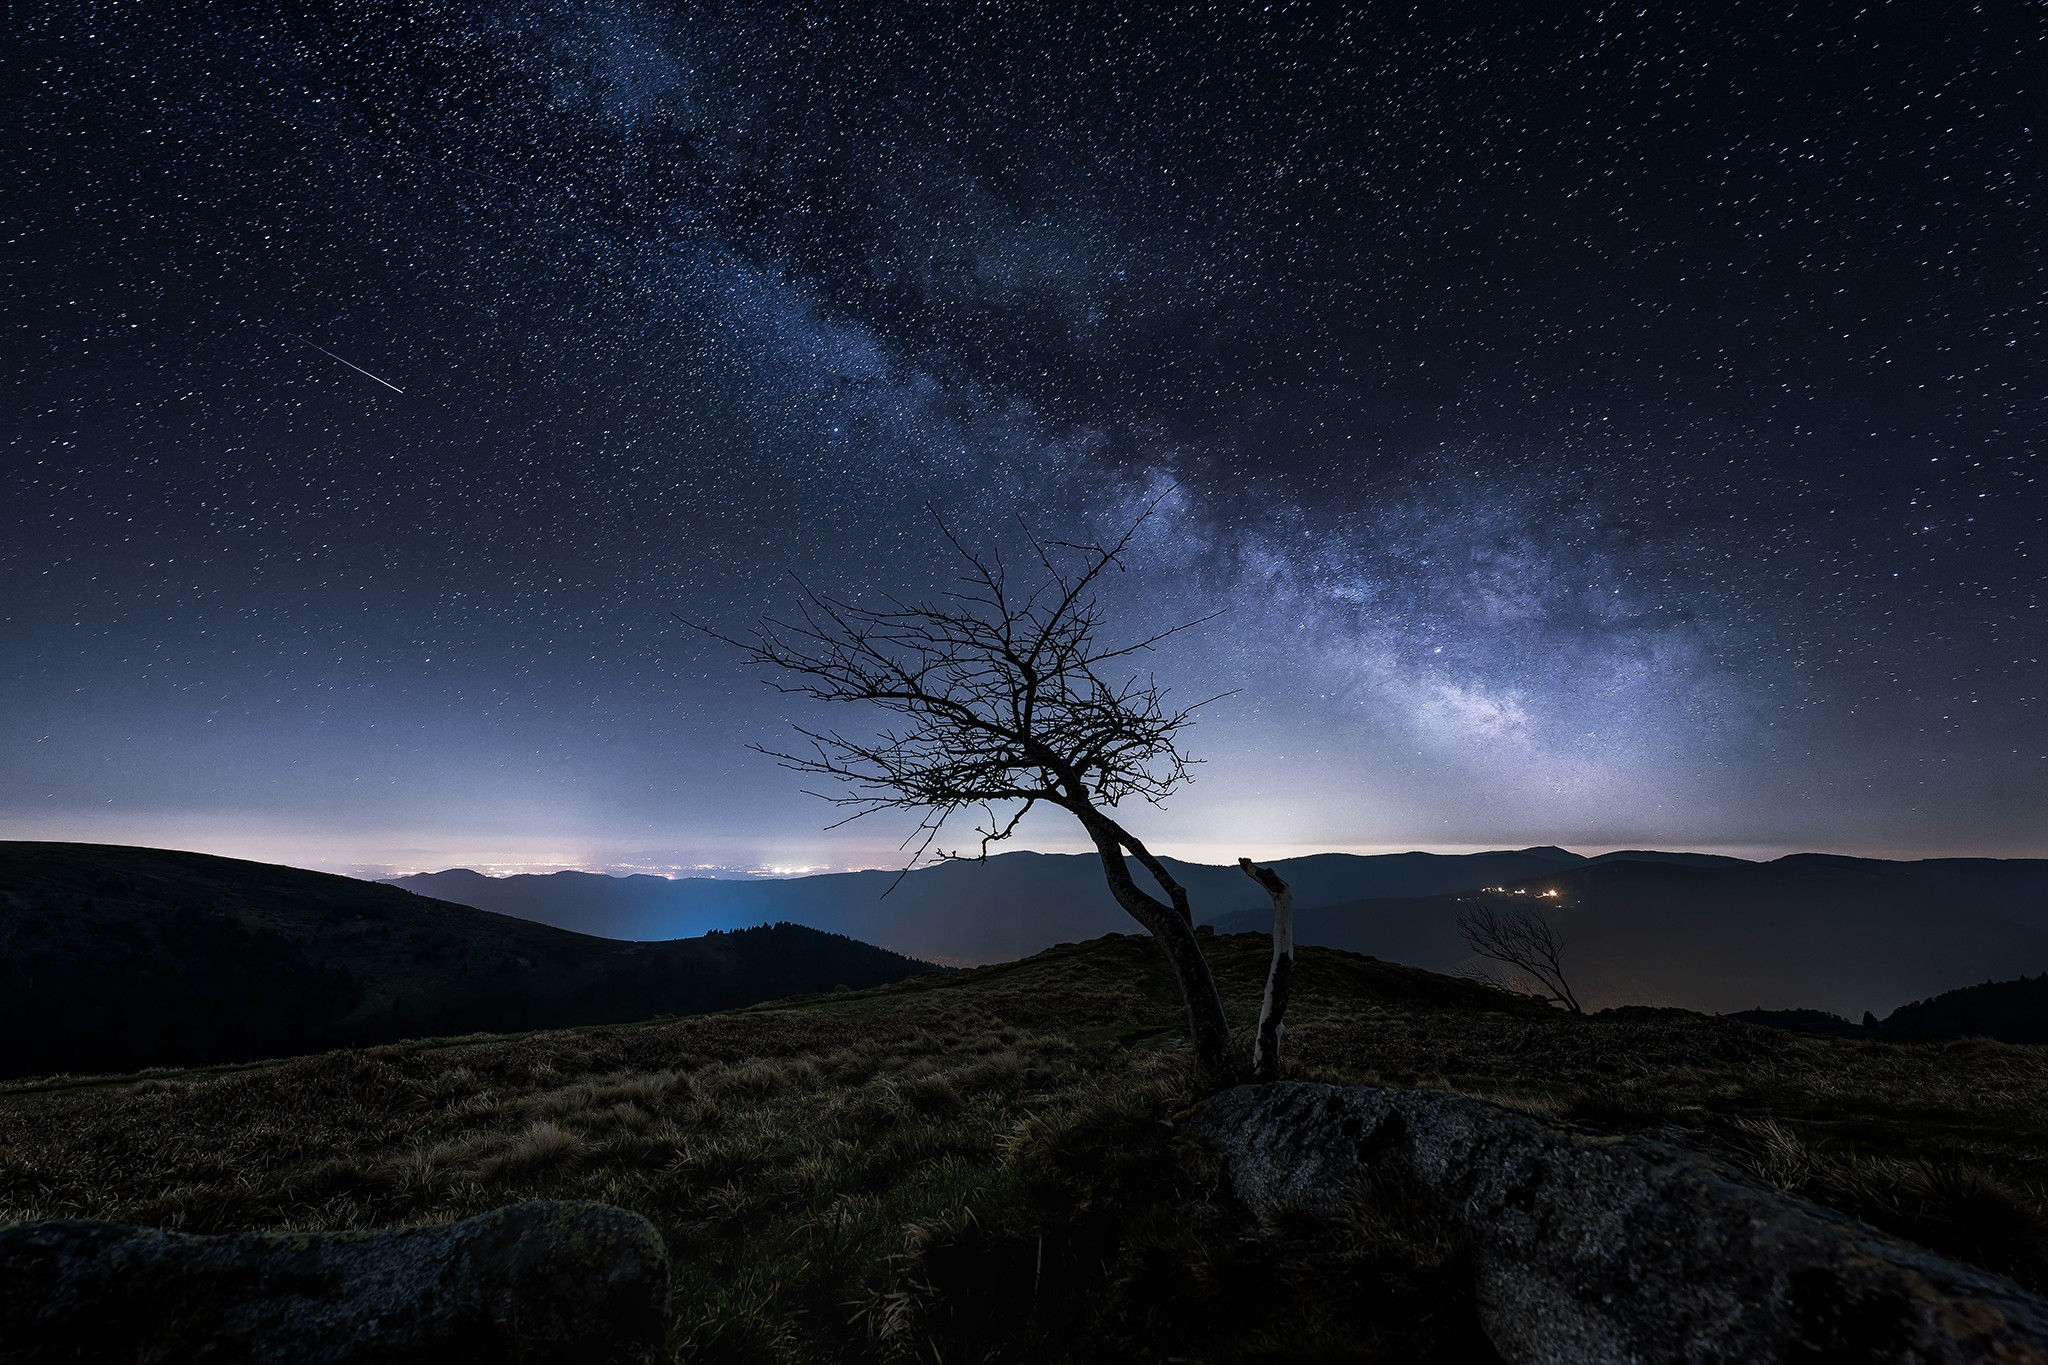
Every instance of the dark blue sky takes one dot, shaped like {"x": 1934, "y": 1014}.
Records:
{"x": 1612, "y": 429}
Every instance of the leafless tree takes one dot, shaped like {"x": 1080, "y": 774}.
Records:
{"x": 1526, "y": 947}
{"x": 1003, "y": 696}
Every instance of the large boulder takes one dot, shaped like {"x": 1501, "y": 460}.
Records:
{"x": 1589, "y": 1248}
{"x": 556, "y": 1282}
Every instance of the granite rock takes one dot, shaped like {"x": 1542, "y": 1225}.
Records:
{"x": 1590, "y": 1248}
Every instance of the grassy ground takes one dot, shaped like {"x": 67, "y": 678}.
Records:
{"x": 983, "y": 1165}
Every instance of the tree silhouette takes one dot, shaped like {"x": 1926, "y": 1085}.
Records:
{"x": 1523, "y": 942}
{"x": 1004, "y": 696}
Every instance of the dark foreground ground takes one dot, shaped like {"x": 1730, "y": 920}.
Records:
{"x": 983, "y": 1165}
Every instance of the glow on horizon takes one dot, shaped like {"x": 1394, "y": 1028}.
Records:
{"x": 398, "y": 853}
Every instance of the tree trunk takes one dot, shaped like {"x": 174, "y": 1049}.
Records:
{"x": 1217, "y": 1059}
{"x": 1279, "y": 977}
{"x": 1217, "y": 1062}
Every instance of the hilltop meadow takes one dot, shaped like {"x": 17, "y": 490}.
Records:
{"x": 985, "y": 1164}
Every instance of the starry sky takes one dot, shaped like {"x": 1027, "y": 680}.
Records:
{"x": 1607, "y": 426}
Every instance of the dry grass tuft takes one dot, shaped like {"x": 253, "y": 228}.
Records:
{"x": 543, "y": 1147}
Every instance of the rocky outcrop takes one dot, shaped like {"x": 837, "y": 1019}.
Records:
{"x": 543, "y": 1282}
{"x": 1589, "y": 1248}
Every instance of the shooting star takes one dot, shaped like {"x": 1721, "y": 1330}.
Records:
{"x": 350, "y": 363}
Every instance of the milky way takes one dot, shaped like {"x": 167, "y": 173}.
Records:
{"x": 1607, "y": 430}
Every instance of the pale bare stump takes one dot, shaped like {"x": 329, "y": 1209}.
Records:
{"x": 1279, "y": 976}
{"x": 1003, "y": 697}
{"x": 550, "y": 1283}
{"x": 1587, "y": 1249}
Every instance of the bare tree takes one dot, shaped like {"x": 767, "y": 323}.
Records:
{"x": 1525, "y": 944}
{"x": 1004, "y": 697}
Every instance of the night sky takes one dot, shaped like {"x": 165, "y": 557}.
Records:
{"x": 1619, "y": 429}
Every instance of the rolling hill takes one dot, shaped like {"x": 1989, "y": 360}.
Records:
{"x": 2008, "y": 1011}
{"x": 115, "y": 958}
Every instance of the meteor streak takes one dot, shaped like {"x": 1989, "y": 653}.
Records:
{"x": 350, "y": 363}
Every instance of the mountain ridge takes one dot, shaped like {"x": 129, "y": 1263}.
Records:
{"x": 1024, "y": 900}
{"x": 1705, "y": 931}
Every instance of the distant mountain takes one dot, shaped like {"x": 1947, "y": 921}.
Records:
{"x": 1704, "y": 931}
{"x": 1646, "y": 855}
{"x": 1013, "y": 905}
{"x": 116, "y": 958}
{"x": 1844, "y": 935}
